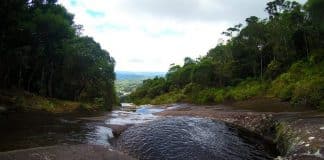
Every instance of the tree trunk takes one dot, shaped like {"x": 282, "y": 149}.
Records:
{"x": 261, "y": 66}
{"x": 306, "y": 45}
{"x": 20, "y": 77}
{"x": 6, "y": 78}
{"x": 30, "y": 79}
{"x": 50, "y": 81}
{"x": 42, "y": 90}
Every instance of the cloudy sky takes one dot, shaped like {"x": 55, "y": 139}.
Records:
{"x": 149, "y": 35}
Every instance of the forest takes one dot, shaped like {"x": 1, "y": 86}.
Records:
{"x": 43, "y": 52}
{"x": 280, "y": 56}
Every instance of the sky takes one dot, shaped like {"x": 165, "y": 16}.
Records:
{"x": 150, "y": 35}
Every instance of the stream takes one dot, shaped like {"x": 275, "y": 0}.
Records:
{"x": 200, "y": 137}
{"x": 29, "y": 130}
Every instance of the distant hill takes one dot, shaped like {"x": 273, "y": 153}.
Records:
{"x": 126, "y": 75}
{"x": 127, "y": 82}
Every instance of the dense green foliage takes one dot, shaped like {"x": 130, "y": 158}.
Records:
{"x": 42, "y": 51}
{"x": 302, "y": 84}
{"x": 281, "y": 56}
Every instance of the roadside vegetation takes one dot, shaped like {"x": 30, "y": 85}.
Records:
{"x": 280, "y": 56}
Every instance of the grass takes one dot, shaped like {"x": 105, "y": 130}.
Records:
{"x": 25, "y": 101}
{"x": 284, "y": 138}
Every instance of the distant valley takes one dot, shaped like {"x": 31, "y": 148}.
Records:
{"x": 127, "y": 75}
{"x": 127, "y": 81}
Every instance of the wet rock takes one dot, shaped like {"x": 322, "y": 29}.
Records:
{"x": 3, "y": 109}
{"x": 118, "y": 129}
{"x": 298, "y": 125}
{"x": 186, "y": 138}
{"x": 73, "y": 152}
{"x": 311, "y": 138}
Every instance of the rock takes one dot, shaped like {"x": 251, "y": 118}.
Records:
{"x": 188, "y": 138}
{"x": 311, "y": 138}
{"x": 118, "y": 129}
{"x": 3, "y": 109}
{"x": 3, "y": 112}
{"x": 68, "y": 152}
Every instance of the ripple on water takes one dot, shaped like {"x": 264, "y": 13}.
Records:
{"x": 142, "y": 114}
{"x": 190, "y": 138}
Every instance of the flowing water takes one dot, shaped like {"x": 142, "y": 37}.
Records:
{"x": 152, "y": 137}
{"x": 28, "y": 130}
{"x": 188, "y": 138}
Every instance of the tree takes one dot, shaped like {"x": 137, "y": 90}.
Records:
{"x": 43, "y": 52}
{"x": 316, "y": 12}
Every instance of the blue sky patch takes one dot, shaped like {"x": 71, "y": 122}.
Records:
{"x": 93, "y": 13}
{"x": 73, "y": 3}
{"x": 110, "y": 26}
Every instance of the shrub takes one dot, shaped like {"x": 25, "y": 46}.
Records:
{"x": 321, "y": 105}
{"x": 168, "y": 98}
{"x": 99, "y": 102}
{"x": 219, "y": 96}
{"x": 317, "y": 56}
{"x": 274, "y": 69}
{"x": 282, "y": 87}
{"x": 303, "y": 84}
{"x": 206, "y": 96}
{"x": 191, "y": 88}
{"x": 246, "y": 89}
{"x": 84, "y": 107}
{"x": 20, "y": 102}
{"x": 309, "y": 91}
{"x": 144, "y": 100}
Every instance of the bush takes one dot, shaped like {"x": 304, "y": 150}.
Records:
{"x": 274, "y": 69}
{"x": 317, "y": 56}
{"x": 84, "y": 107}
{"x": 282, "y": 87}
{"x": 246, "y": 89}
{"x": 20, "y": 102}
{"x": 309, "y": 91}
{"x": 206, "y": 96}
{"x": 303, "y": 84}
{"x": 219, "y": 96}
{"x": 168, "y": 98}
{"x": 139, "y": 101}
{"x": 99, "y": 102}
{"x": 321, "y": 105}
{"x": 191, "y": 88}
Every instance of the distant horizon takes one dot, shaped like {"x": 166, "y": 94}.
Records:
{"x": 132, "y": 71}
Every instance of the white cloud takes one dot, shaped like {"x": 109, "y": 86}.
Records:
{"x": 149, "y": 35}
